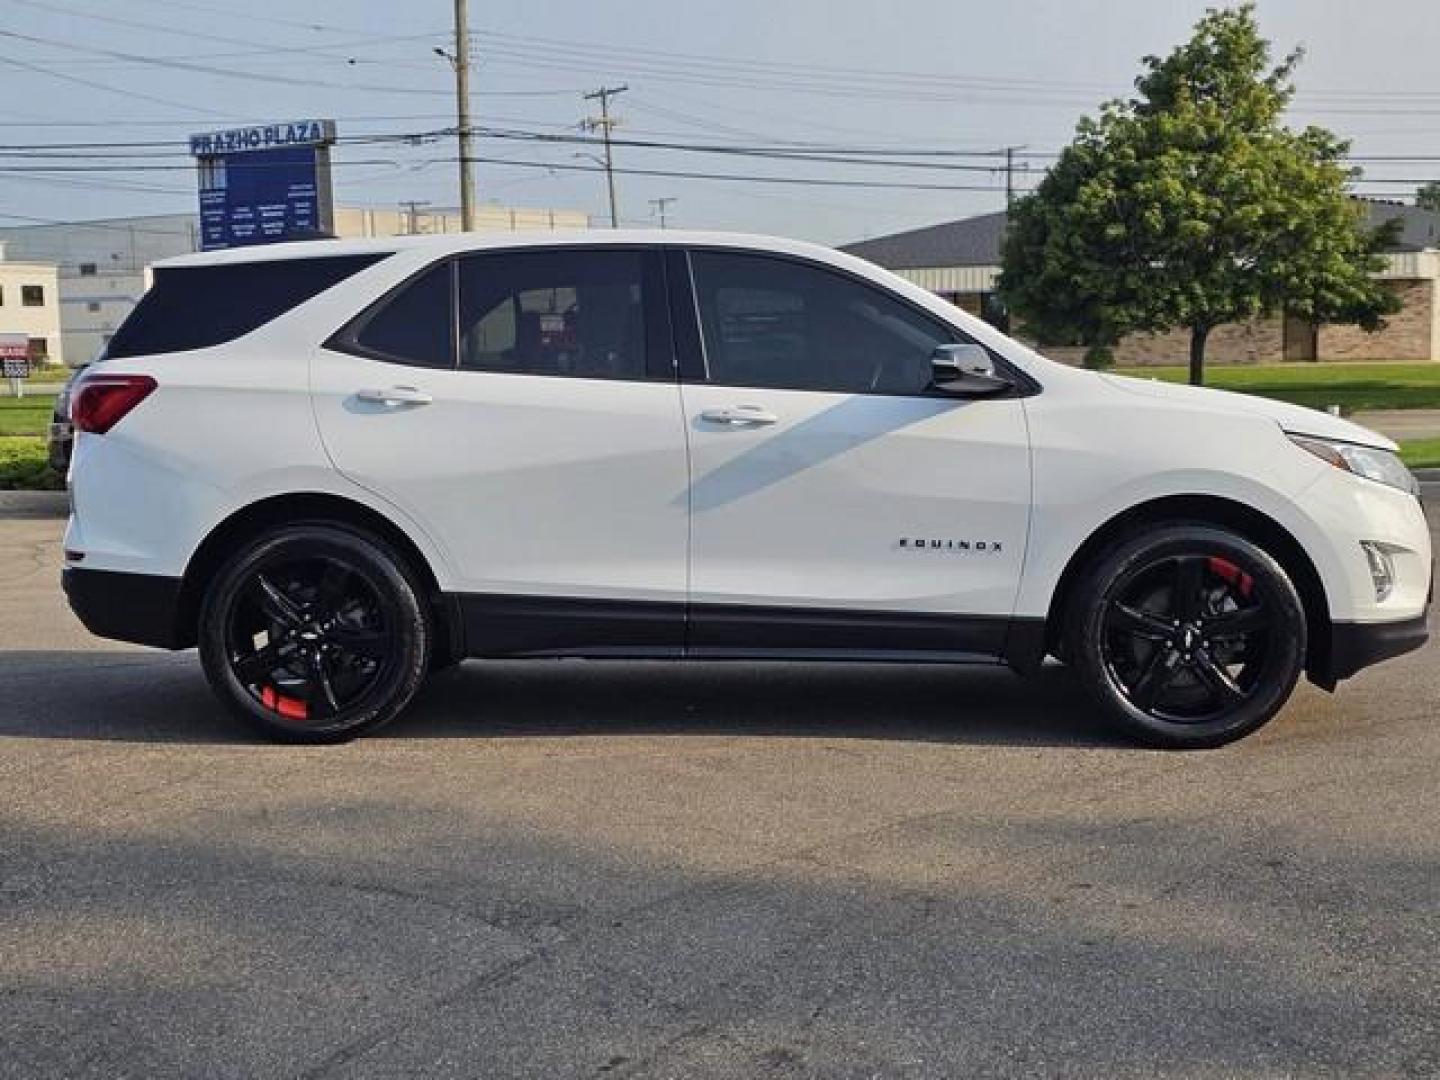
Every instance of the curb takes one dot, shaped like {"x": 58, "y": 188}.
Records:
{"x": 1427, "y": 476}
{"x": 34, "y": 504}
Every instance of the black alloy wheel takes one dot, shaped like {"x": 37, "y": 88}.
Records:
{"x": 1185, "y": 637}
{"x": 1190, "y": 636}
{"x": 315, "y": 633}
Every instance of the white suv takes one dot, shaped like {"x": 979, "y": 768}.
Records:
{"x": 336, "y": 466}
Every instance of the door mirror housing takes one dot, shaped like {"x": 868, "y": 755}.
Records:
{"x": 967, "y": 370}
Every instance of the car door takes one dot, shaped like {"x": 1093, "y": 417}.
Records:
{"x": 522, "y": 406}
{"x": 838, "y": 501}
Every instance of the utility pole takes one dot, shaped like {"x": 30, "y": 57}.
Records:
{"x": 461, "y": 63}
{"x": 604, "y": 123}
{"x": 1010, "y": 174}
{"x": 660, "y": 205}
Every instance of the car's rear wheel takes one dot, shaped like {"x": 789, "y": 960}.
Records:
{"x": 315, "y": 633}
{"x": 1188, "y": 635}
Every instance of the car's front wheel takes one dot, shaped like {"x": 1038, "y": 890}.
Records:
{"x": 315, "y": 633}
{"x": 1188, "y": 635}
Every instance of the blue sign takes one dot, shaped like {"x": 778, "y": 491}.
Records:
{"x": 265, "y": 184}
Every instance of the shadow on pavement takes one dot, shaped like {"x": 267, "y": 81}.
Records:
{"x": 407, "y": 933}
{"x": 142, "y": 697}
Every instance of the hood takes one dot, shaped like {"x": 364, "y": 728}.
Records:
{"x": 1293, "y": 418}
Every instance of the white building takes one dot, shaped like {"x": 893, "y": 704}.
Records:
{"x": 103, "y": 265}
{"x": 30, "y": 305}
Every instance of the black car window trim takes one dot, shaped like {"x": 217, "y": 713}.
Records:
{"x": 684, "y": 317}
{"x": 1024, "y": 384}
{"x": 660, "y": 355}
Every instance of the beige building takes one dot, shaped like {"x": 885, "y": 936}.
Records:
{"x": 353, "y": 221}
{"x": 960, "y": 260}
{"x": 103, "y": 265}
{"x": 30, "y": 305}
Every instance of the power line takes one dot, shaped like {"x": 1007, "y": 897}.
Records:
{"x": 112, "y": 183}
{"x": 561, "y": 134}
{"x": 849, "y": 81}
{"x": 181, "y": 168}
{"x": 759, "y": 179}
{"x": 94, "y": 85}
{"x": 187, "y": 124}
{"x": 143, "y": 150}
{"x": 99, "y": 223}
{"x": 205, "y": 69}
{"x": 796, "y": 180}
{"x": 671, "y": 61}
{"x": 631, "y": 56}
{"x": 500, "y": 56}
{"x": 250, "y": 16}
{"x": 783, "y": 153}
{"x": 198, "y": 35}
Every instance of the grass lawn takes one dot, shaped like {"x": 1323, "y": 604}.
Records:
{"x": 1351, "y": 386}
{"x": 24, "y": 465}
{"x": 29, "y": 415}
{"x": 1421, "y": 453}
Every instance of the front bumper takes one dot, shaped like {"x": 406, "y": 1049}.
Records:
{"x": 140, "y": 608}
{"x": 1354, "y": 646}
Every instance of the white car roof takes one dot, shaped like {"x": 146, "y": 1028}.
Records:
{"x": 448, "y": 243}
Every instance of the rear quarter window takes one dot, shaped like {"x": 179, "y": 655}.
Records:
{"x": 195, "y": 307}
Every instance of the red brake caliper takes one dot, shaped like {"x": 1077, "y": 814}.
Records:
{"x": 1242, "y": 582}
{"x": 290, "y": 708}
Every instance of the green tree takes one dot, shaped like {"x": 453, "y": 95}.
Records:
{"x": 1428, "y": 195}
{"x": 1192, "y": 205}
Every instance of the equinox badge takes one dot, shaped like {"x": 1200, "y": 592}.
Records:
{"x": 910, "y": 543}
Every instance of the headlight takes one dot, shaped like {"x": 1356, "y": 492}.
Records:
{"x": 1379, "y": 465}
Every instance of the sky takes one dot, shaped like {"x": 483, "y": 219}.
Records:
{"x": 839, "y": 78}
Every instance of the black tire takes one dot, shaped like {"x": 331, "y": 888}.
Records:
{"x": 1188, "y": 635}
{"x": 315, "y": 632}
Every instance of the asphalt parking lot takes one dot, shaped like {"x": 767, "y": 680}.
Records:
{"x": 570, "y": 869}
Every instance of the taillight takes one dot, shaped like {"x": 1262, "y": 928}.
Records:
{"x": 102, "y": 401}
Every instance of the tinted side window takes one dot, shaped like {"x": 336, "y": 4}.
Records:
{"x": 195, "y": 307}
{"x": 413, "y": 325}
{"x": 576, "y": 313}
{"x": 778, "y": 323}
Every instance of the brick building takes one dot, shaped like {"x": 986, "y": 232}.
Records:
{"x": 960, "y": 260}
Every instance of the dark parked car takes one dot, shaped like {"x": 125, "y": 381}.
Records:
{"x": 62, "y": 435}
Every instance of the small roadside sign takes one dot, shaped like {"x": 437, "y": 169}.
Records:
{"x": 15, "y": 361}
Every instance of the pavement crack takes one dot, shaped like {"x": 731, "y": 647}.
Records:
{"x": 362, "y": 1044}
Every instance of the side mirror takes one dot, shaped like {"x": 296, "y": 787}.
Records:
{"x": 966, "y": 369}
